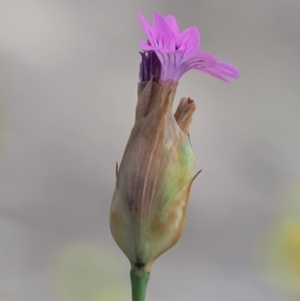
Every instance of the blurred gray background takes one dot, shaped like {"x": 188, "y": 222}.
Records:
{"x": 69, "y": 72}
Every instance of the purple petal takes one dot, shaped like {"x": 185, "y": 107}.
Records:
{"x": 157, "y": 50}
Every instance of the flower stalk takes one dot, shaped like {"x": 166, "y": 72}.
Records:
{"x": 139, "y": 280}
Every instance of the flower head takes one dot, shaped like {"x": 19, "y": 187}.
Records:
{"x": 178, "y": 51}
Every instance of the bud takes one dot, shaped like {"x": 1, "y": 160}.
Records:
{"x": 153, "y": 184}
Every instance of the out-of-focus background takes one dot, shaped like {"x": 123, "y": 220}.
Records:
{"x": 69, "y": 72}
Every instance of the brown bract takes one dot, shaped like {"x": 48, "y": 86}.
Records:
{"x": 154, "y": 180}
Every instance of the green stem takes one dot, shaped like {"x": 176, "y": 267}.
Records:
{"x": 139, "y": 280}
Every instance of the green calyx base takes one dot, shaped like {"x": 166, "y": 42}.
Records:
{"x": 139, "y": 280}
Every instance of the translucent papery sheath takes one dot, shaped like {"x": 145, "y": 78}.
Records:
{"x": 155, "y": 176}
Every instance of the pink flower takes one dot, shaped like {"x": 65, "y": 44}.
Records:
{"x": 178, "y": 51}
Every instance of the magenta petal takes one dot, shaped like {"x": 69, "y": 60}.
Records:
{"x": 229, "y": 69}
{"x": 220, "y": 70}
{"x": 148, "y": 29}
{"x": 197, "y": 59}
{"x": 206, "y": 62}
{"x": 198, "y": 56}
{"x": 171, "y": 62}
{"x": 147, "y": 47}
{"x": 162, "y": 32}
{"x": 174, "y": 28}
{"x": 214, "y": 73}
{"x": 190, "y": 39}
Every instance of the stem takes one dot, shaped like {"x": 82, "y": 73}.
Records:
{"x": 139, "y": 280}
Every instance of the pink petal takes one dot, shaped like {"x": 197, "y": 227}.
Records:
{"x": 205, "y": 56}
{"x": 229, "y": 69}
{"x": 174, "y": 28}
{"x": 162, "y": 32}
{"x": 207, "y": 63}
{"x": 148, "y": 29}
{"x": 220, "y": 70}
{"x": 197, "y": 58}
{"x": 214, "y": 73}
{"x": 171, "y": 63}
{"x": 190, "y": 39}
{"x": 147, "y": 47}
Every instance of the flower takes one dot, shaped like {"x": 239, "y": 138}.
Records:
{"x": 178, "y": 51}
{"x": 155, "y": 177}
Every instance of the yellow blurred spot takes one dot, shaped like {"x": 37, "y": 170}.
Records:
{"x": 292, "y": 241}
{"x": 293, "y": 238}
{"x": 282, "y": 257}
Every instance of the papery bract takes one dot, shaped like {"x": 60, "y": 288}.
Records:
{"x": 155, "y": 177}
